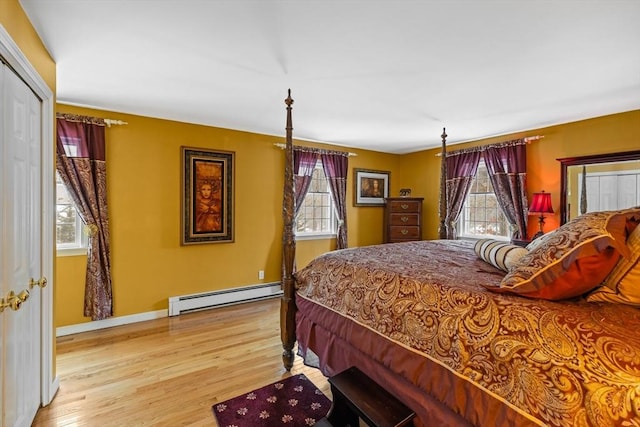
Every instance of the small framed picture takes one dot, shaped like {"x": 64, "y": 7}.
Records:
{"x": 207, "y": 196}
{"x": 370, "y": 187}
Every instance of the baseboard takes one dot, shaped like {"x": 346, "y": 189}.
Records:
{"x": 110, "y": 322}
{"x": 182, "y": 304}
{"x": 224, "y": 297}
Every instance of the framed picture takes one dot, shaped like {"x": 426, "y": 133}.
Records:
{"x": 207, "y": 196}
{"x": 370, "y": 187}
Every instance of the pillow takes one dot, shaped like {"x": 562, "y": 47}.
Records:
{"x": 622, "y": 285}
{"x": 501, "y": 255}
{"x": 573, "y": 259}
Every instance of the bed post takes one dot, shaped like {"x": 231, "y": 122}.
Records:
{"x": 442, "y": 230}
{"x": 287, "y": 302}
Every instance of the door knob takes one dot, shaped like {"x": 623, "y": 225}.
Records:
{"x": 33, "y": 283}
{"x": 14, "y": 301}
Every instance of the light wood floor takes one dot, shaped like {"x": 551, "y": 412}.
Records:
{"x": 170, "y": 371}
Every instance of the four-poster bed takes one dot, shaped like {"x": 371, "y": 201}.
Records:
{"x": 420, "y": 318}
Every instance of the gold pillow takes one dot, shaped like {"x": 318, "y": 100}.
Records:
{"x": 599, "y": 237}
{"x": 622, "y": 285}
{"x": 500, "y": 254}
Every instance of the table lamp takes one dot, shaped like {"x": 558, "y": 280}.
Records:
{"x": 540, "y": 205}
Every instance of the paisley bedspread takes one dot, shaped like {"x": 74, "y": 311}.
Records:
{"x": 568, "y": 363}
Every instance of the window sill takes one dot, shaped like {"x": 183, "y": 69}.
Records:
{"x": 488, "y": 236}
{"x": 327, "y": 236}
{"x": 71, "y": 252}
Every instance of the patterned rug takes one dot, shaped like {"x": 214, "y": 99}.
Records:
{"x": 293, "y": 402}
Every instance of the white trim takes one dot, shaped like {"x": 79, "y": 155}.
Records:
{"x": 110, "y": 322}
{"x": 21, "y": 65}
{"x": 71, "y": 252}
{"x": 247, "y": 294}
{"x": 319, "y": 236}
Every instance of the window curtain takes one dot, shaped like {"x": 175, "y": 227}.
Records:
{"x": 461, "y": 168}
{"x": 507, "y": 168}
{"x": 81, "y": 164}
{"x": 335, "y": 167}
{"x": 304, "y": 162}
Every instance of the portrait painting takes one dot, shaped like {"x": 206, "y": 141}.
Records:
{"x": 207, "y": 196}
{"x": 370, "y": 187}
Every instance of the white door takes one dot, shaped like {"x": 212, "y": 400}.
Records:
{"x": 21, "y": 256}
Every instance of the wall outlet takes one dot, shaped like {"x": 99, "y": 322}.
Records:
{"x": 261, "y": 274}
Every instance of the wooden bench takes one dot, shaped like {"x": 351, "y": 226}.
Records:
{"x": 356, "y": 396}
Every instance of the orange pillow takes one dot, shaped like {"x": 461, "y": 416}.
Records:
{"x": 581, "y": 277}
{"x": 623, "y": 283}
{"x": 573, "y": 259}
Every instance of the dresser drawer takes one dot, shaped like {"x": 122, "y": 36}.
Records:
{"x": 404, "y": 219}
{"x": 404, "y": 206}
{"x": 410, "y": 232}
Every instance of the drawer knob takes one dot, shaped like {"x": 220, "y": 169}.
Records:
{"x": 404, "y": 218}
{"x": 404, "y": 206}
{"x": 404, "y": 231}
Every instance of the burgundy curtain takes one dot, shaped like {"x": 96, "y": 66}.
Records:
{"x": 461, "y": 169}
{"x": 304, "y": 162}
{"x": 507, "y": 168}
{"x": 82, "y": 168}
{"x": 335, "y": 167}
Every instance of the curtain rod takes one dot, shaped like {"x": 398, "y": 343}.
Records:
{"x": 527, "y": 140}
{"x": 110, "y": 122}
{"x": 530, "y": 139}
{"x": 95, "y": 120}
{"x": 283, "y": 146}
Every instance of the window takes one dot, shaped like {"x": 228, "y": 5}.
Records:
{"x": 608, "y": 191}
{"x": 481, "y": 215}
{"x": 317, "y": 214}
{"x": 69, "y": 226}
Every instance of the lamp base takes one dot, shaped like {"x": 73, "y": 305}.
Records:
{"x": 538, "y": 234}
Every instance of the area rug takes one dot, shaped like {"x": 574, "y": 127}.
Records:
{"x": 293, "y": 402}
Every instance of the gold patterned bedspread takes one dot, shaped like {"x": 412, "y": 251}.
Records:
{"x": 568, "y": 363}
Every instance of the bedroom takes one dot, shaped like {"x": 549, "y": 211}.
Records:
{"x": 147, "y": 256}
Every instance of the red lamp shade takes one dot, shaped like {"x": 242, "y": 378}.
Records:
{"x": 541, "y": 203}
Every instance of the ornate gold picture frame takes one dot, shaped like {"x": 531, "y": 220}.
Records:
{"x": 207, "y": 196}
{"x": 370, "y": 187}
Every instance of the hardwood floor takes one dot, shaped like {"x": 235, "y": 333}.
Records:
{"x": 170, "y": 371}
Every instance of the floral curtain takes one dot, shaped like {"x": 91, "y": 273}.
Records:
{"x": 81, "y": 165}
{"x": 304, "y": 162}
{"x": 507, "y": 167}
{"x": 335, "y": 167}
{"x": 461, "y": 169}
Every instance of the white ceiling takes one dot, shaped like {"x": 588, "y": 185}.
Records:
{"x": 380, "y": 75}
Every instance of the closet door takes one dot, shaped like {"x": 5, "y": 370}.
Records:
{"x": 21, "y": 256}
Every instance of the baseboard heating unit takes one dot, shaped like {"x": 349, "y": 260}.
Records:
{"x": 206, "y": 300}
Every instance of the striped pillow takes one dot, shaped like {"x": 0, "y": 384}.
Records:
{"x": 501, "y": 255}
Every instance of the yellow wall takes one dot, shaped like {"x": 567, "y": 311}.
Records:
{"x": 143, "y": 165}
{"x": 607, "y": 134}
{"x": 16, "y": 23}
{"x": 143, "y": 183}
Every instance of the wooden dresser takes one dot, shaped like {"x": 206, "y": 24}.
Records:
{"x": 402, "y": 219}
